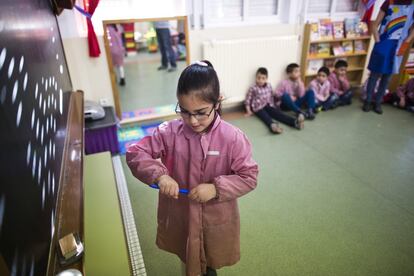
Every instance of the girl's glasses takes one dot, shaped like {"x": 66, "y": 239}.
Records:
{"x": 199, "y": 116}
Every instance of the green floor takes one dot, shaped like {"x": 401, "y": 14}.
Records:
{"x": 334, "y": 199}
{"x": 145, "y": 89}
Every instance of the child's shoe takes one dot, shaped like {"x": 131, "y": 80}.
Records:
{"x": 366, "y": 107}
{"x": 211, "y": 272}
{"x": 378, "y": 109}
{"x": 309, "y": 115}
{"x": 122, "y": 82}
{"x": 274, "y": 127}
{"x": 300, "y": 122}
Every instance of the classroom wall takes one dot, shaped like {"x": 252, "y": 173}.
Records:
{"x": 236, "y": 93}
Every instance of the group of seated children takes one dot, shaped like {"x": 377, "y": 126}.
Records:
{"x": 327, "y": 91}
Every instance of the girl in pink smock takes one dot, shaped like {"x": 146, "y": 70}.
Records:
{"x": 212, "y": 160}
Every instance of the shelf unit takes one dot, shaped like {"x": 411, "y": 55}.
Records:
{"x": 356, "y": 60}
{"x": 406, "y": 71}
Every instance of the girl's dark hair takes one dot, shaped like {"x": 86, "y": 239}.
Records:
{"x": 290, "y": 67}
{"x": 341, "y": 63}
{"x": 202, "y": 80}
{"x": 325, "y": 70}
{"x": 262, "y": 71}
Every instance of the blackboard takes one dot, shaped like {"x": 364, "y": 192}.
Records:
{"x": 34, "y": 86}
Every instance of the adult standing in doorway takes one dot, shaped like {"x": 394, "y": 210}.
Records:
{"x": 395, "y": 22}
{"x": 162, "y": 28}
{"x": 117, "y": 51}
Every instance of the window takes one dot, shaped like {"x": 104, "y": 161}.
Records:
{"x": 331, "y": 8}
{"x": 234, "y": 12}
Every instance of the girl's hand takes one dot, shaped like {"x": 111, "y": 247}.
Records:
{"x": 203, "y": 193}
{"x": 168, "y": 186}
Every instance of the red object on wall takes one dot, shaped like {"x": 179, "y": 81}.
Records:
{"x": 90, "y": 6}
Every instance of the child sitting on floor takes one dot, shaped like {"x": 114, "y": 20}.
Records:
{"x": 340, "y": 84}
{"x": 260, "y": 101}
{"x": 291, "y": 93}
{"x": 404, "y": 97}
{"x": 321, "y": 87}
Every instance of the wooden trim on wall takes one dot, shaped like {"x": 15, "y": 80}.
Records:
{"x": 69, "y": 214}
{"x": 115, "y": 91}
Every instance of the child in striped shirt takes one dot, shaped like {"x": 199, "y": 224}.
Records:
{"x": 260, "y": 101}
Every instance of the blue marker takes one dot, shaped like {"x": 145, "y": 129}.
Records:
{"x": 181, "y": 191}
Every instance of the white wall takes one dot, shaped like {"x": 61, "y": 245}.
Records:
{"x": 275, "y": 66}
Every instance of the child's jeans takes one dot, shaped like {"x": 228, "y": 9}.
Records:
{"x": 330, "y": 103}
{"x": 289, "y": 104}
{"x": 372, "y": 81}
{"x": 345, "y": 98}
{"x": 267, "y": 113}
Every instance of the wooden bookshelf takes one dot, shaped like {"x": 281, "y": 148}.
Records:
{"x": 406, "y": 71}
{"x": 356, "y": 60}
{"x": 340, "y": 39}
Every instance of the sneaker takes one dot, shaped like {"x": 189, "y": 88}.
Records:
{"x": 211, "y": 272}
{"x": 172, "y": 69}
{"x": 122, "y": 82}
{"x": 318, "y": 109}
{"x": 162, "y": 68}
{"x": 274, "y": 127}
{"x": 378, "y": 109}
{"x": 366, "y": 107}
{"x": 309, "y": 115}
{"x": 300, "y": 122}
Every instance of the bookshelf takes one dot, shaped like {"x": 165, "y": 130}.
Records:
{"x": 406, "y": 70}
{"x": 320, "y": 52}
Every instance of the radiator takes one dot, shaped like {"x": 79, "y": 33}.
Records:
{"x": 236, "y": 61}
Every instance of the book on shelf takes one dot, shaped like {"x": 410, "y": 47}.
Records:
{"x": 348, "y": 47}
{"x": 325, "y": 28}
{"x": 314, "y": 31}
{"x": 314, "y": 66}
{"x": 338, "y": 29}
{"x": 410, "y": 60}
{"x": 313, "y": 50}
{"x": 330, "y": 63}
{"x": 362, "y": 29}
{"x": 337, "y": 49}
{"x": 324, "y": 49}
{"x": 359, "y": 46}
{"x": 351, "y": 25}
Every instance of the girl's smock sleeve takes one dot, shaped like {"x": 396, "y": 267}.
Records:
{"x": 244, "y": 171}
{"x": 142, "y": 156}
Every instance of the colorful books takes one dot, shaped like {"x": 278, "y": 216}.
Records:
{"x": 359, "y": 46}
{"x": 314, "y": 31}
{"x": 362, "y": 29}
{"x": 351, "y": 25}
{"x": 337, "y": 49}
{"x": 410, "y": 59}
{"x": 348, "y": 47}
{"x": 324, "y": 50}
{"x": 325, "y": 29}
{"x": 314, "y": 66}
{"x": 313, "y": 50}
{"x": 338, "y": 29}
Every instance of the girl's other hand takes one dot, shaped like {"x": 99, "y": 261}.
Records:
{"x": 203, "y": 193}
{"x": 168, "y": 186}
